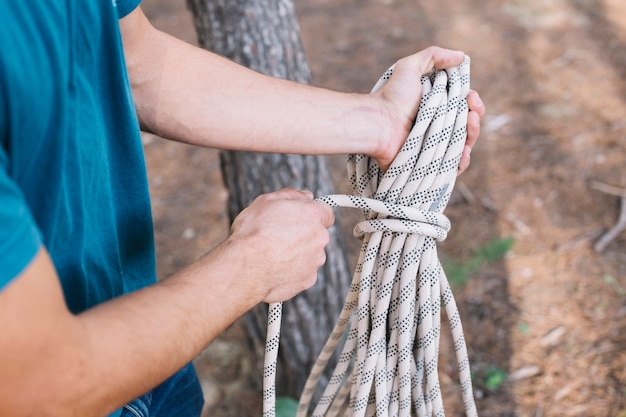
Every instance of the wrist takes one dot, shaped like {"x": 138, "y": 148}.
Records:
{"x": 390, "y": 132}
{"x": 371, "y": 127}
{"x": 223, "y": 277}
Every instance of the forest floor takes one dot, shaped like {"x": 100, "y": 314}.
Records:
{"x": 545, "y": 325}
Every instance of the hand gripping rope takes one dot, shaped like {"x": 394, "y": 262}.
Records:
{"x": 391, "y": 320}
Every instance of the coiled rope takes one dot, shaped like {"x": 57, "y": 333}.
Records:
{"x": 392, "y": 313}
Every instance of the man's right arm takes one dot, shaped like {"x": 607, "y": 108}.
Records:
{"x": 55, "y": 363}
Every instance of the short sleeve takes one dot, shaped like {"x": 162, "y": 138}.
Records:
{"x": 124, "y": 7}
{"x": 19, "y": 236}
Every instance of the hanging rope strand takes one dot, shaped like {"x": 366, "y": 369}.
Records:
{"x": 270, "y": 362}
{"x": 391, "y": 320}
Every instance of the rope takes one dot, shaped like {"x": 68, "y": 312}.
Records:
{"x": 391, "y": 318}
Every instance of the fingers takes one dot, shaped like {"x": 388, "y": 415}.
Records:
{"x": 288, "y": 194}
{"x": 433, "y": 57}
{"x": 444, "y": 58}
{"x": 464, "y": 163}
{"x": 320, "y": 210}
{"x": 473, "y": 128}
{"x": 326, "y": 214}
{"x": 475, "y": 103}
{"x": 283, "y": 235}
{"x": 477, "y": 111}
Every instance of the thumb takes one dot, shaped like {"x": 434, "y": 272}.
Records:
{"x": 326, "y": 213}
{"x": 433, "y": 57}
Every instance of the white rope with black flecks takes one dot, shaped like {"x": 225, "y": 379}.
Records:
{"x": 391, "y": 319}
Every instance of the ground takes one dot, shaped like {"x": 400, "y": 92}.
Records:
{"x": 546, "y": 325}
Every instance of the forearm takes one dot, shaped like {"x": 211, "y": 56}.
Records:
{"x": 95, "y": 362}
{"x": 92, "y": 363}
{"x": 152, "y": 333}
{"x": 191, "y": 95}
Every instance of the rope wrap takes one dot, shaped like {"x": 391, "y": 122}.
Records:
{"x": 391, "y": 320}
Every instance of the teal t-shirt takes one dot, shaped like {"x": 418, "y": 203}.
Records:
{"x": 72, "y": 171}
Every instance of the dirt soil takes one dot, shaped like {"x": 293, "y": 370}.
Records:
{"x": 549, "y": 319}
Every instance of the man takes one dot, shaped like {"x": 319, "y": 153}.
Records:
{"x": 85, "y": 328}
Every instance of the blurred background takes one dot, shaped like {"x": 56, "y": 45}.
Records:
{"x": 542, "y": 296}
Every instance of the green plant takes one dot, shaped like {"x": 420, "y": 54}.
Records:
{"x": 492, "y": 251}
{"x": 494, "y": 378}
{"x": 617, "y": 287}
{"x": 286, "y": 407}
{"x": 523, "y": 328}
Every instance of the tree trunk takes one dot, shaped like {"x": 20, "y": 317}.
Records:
{"x": 264, "y": 36}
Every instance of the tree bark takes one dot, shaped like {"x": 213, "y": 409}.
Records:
{"x": 264, "y": 35}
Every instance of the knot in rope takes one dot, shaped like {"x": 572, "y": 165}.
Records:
{"x": 388, "y": 331}
{"x": 387, "y": 217}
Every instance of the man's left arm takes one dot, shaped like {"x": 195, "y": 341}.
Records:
{"x": 188, "y": 94}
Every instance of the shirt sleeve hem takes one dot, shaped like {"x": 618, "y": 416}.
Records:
{"x": 27, "y": 245}
{"x": 124, "y": 7}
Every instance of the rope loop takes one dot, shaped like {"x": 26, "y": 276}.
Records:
{"x": 382, "y": 216}
{"x": 387, "y": 335}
